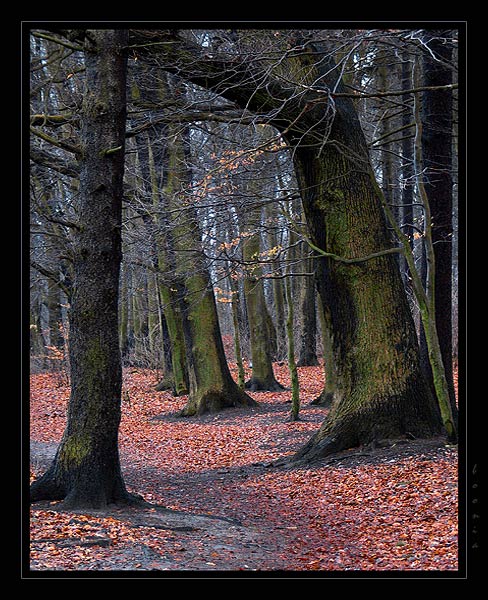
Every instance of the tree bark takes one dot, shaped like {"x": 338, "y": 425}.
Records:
{"x": 56, "y": 338}
{"x": 86, "y": 469}
{"x": 234, "y": 287}
{"x": 278, "y": 286}
{"x": 176, "y": 377}
{"x": 407, "y": 170}
{"x": 380, "y": 390}
{"x": 328, "y": 392}
{"x": 290, "y": 334}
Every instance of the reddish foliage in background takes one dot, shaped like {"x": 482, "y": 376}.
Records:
{"x": 388, "y": 512}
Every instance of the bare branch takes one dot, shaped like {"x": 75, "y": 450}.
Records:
{"x": 46, "y": 159}
{"x": 57, "y": 40}
{"x": 358, "y": 94}
{"x": 54, "y": 120}
{"x": 352, "y": 261}
{"x": 55, "y": 142}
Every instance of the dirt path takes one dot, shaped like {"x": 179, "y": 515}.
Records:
{"x": 155, "y": 538}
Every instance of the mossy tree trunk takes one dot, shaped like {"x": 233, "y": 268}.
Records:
{"x": 327, "y": 394}
{"x": 177, "y": 377}
{"x": 86, "y": 469}
{"x": 262, "y": 378}
{"x": 211, "y": 386}
{"x": 380, "y": 389}
{"x": 174, "y": 325}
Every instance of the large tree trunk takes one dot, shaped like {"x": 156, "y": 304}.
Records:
{"x": 176, "y": 377}
{"x": 380, "y": 389}
{"x": 86, "y": 469}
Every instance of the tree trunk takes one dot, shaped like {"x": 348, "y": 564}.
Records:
{"x": 86, "y": 469}
{"x": 290, "y": 334}
{"x": 380, "y": 389}
{"x": 307, "y": 339}
{"x": 437, "y": 162}
{"x": 211, "y": 386}
{"x": 407, "y": 170}
{"x": 152, "y": 314}
{"x": 327, "y": 394}
{"x": 262, "y": 378}
{"x": 37, "y": 342}
{"x": 124, "y": 315}
{"x": 54, "y": 311}
{"x": 234, "y": 287}
{"x": 278, "y": 287}
{"x": 177, "y": 379}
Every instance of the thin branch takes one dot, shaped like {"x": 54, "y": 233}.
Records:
{"x": 50, "y": 275}
{"x": 63, "y": 222}
{"x": 351, "y": 261}
{"x": 46, "y": 159}
{"x": 56, "y": 40}
{"x": 450, "y": 86}
{"x": 54, "y": 120}
{"x": 60, "y": 144}
{"x": 390, "y": 133}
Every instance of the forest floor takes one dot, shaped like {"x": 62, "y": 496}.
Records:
{"x": 226, "y": 506}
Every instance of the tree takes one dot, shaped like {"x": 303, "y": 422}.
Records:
{"x": 257, "y": 312}
{"x": 292, "y": 366}
{"x": 211, "y": 385}
{"x": 290, "y": 82}
{"x": 381, "y": 392}
{"x": 437, "y": 116}
{"x": 307, "y": 353}
{"x": 86, "y": 469}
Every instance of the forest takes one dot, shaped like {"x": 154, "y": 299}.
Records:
{"x": 244, "y": 318}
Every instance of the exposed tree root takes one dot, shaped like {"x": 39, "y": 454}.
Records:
{"x": 213, "y": 402}
{"x": 258, "y": 385}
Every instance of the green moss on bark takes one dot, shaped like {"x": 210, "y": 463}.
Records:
{"x": 74, "y": 450}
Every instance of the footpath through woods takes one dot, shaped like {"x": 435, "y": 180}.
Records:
{"x": 228, "y": 508}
